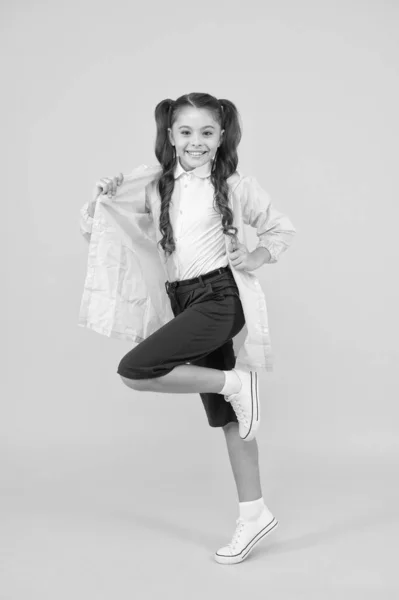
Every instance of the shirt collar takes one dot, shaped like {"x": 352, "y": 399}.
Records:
{"x": 203, "y": 171}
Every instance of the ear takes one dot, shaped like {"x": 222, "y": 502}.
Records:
{"x": 170, "y": 134}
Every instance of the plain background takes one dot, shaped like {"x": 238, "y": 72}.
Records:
{"x": 112, "y": 493}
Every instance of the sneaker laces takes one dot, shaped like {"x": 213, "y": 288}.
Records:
{"x": 240, "y": 526}
{"x": 240, "y": 412}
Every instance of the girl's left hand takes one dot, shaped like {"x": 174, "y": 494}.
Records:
{"x": 241, "y": 258}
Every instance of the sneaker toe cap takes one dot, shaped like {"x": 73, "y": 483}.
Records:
{"x": 225, "y": 551}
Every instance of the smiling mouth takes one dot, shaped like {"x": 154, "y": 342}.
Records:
{"x": 195, "y": 154}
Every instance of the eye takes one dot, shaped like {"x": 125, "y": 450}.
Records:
{"x": 206, "y": 132}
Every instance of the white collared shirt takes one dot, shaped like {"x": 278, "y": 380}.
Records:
{"x": 197, "y": 225}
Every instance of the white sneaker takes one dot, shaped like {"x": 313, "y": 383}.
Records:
{"x": 246, "y": 404}
{"x": 245, "y": 538}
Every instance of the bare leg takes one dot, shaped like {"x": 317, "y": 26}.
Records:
{"x": 243, "y": 455}
{"x": 244, "y": 460}
{"x": 184, "y": 379}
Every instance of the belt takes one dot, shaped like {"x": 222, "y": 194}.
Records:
{"x": 199, "y": 279}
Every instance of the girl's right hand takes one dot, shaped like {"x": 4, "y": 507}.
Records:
{"x": 107, "y": 185}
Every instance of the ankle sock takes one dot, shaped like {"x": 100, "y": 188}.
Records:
{"x": 232, "y": 384}
{"x": 251, "y": 510}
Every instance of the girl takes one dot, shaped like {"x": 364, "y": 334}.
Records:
{"x": 184, "y": 219}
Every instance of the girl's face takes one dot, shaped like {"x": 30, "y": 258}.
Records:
{"x": 195, "y": 131}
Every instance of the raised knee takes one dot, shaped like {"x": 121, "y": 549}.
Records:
{"x": 135, "y": 384}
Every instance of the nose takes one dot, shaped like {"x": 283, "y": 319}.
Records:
{"x": 196, "y": 137}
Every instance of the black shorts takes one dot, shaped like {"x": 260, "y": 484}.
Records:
{"x": 208, "y": 314}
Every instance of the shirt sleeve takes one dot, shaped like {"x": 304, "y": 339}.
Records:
{"x": 274, "y": 229}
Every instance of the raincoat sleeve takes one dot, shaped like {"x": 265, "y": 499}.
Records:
{"x": 274, "y": 229}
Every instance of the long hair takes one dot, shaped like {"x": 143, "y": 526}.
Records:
{"x": 224, "y": 165}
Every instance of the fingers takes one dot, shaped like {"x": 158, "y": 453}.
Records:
{"x": 109, "y": 185}
{"x": 118, "y": 180}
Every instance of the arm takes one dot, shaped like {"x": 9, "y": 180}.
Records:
{"x": 274, "y": 229}
{"x": 132, "y": 196}
{"x": 261, "y": 255}
{"x": 88, "y": 209}
{"x": 105, "y": 186}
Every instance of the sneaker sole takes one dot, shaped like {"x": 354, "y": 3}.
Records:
{"x": 237, "y": 558}
{"x": 255, "y": 420}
